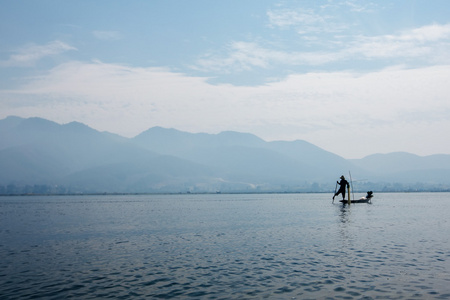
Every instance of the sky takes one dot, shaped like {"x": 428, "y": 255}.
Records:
{"x": 352, "y": 77}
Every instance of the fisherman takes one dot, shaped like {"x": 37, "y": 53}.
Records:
{"x": 369, "y": 195}
{"x": 343, "y": 186}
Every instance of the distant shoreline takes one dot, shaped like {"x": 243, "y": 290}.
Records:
{"x": 210, "y": 193}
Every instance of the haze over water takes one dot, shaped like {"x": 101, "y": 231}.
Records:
{"x": 278, "y": 246}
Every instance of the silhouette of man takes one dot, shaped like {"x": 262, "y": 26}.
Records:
{"x": 343, "y": 185}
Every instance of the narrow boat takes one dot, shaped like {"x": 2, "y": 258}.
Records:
{"x": 366, "y": 199}
{"x": 362, "y": 200}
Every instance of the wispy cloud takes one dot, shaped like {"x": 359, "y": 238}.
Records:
{"x": 431, "y": 33}
{"x": 423, "y": 42}
{"x": 240, "y": 56}
{"x": 246, "y": 56}
{"x": 427, "y": 44}
{"x": 319, "y": 19}
{"x": 30, "y": 54}
{"x": 289, "y": 17}
{"x": 354, "y": 6}
{"x": 324, "y": 37}
{"x": 305, "y": 21}
{"x": 107, "y": 35}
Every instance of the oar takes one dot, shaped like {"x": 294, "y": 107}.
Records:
{"x": 335, "y": 189}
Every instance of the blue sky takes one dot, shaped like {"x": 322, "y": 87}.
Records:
{"x": 353, "y": 77}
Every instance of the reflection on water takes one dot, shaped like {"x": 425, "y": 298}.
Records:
{"x": 224, "y": 246}
{"x": 345, "y": 233}
{"x": 344, "y": 213}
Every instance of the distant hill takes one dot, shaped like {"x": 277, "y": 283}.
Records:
{"x": 402, "y": 161}
{"x": 409, "y": 168}
{"x": 41, "y": 156}
{"x": 248, "y": 155}
{"x": 80, "y": 158}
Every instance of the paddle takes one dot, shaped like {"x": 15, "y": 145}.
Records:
{"x": 335, "y": 189}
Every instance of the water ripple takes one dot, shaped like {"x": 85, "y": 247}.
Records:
{"x": 284, "y": 249}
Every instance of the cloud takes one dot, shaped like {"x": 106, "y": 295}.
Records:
{"x": 107, "y": 35}
{"x": 420, "y": 42}
{"x": 288, "y": 17}
{"x": 241, "y": 56}
{"x": 330, "y": 109}
{"x": 30, "y": 54}
{"x": 427, "y": 44}
{"x": 246, "y": 56}
{"x": 305, "y": 21}
{"x": 320, "y": 19}
{"x": 429, "y": 33}
{"x": 355, "y": 6}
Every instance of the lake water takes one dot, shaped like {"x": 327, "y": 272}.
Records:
{"x": 275, "y": 246}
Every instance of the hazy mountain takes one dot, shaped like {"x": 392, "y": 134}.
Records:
{"x": 407, "y": 168}
{"x": 325, "y": 163}
{"x": 37, "y": 155}
{"x": 402, "y": 161}
{"x": 79, "y": 157}
{"x": 175, "y": 142}
{"x": 247, "y": 154}
{"x": 72, "y": 146}
{"x": 154, "y": 174}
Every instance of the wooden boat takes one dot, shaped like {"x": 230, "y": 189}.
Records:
{"x": 362, "y": 200}
{"x": 366, "y": 199}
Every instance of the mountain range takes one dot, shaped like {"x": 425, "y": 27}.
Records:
{"x": 41, "y": 156}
